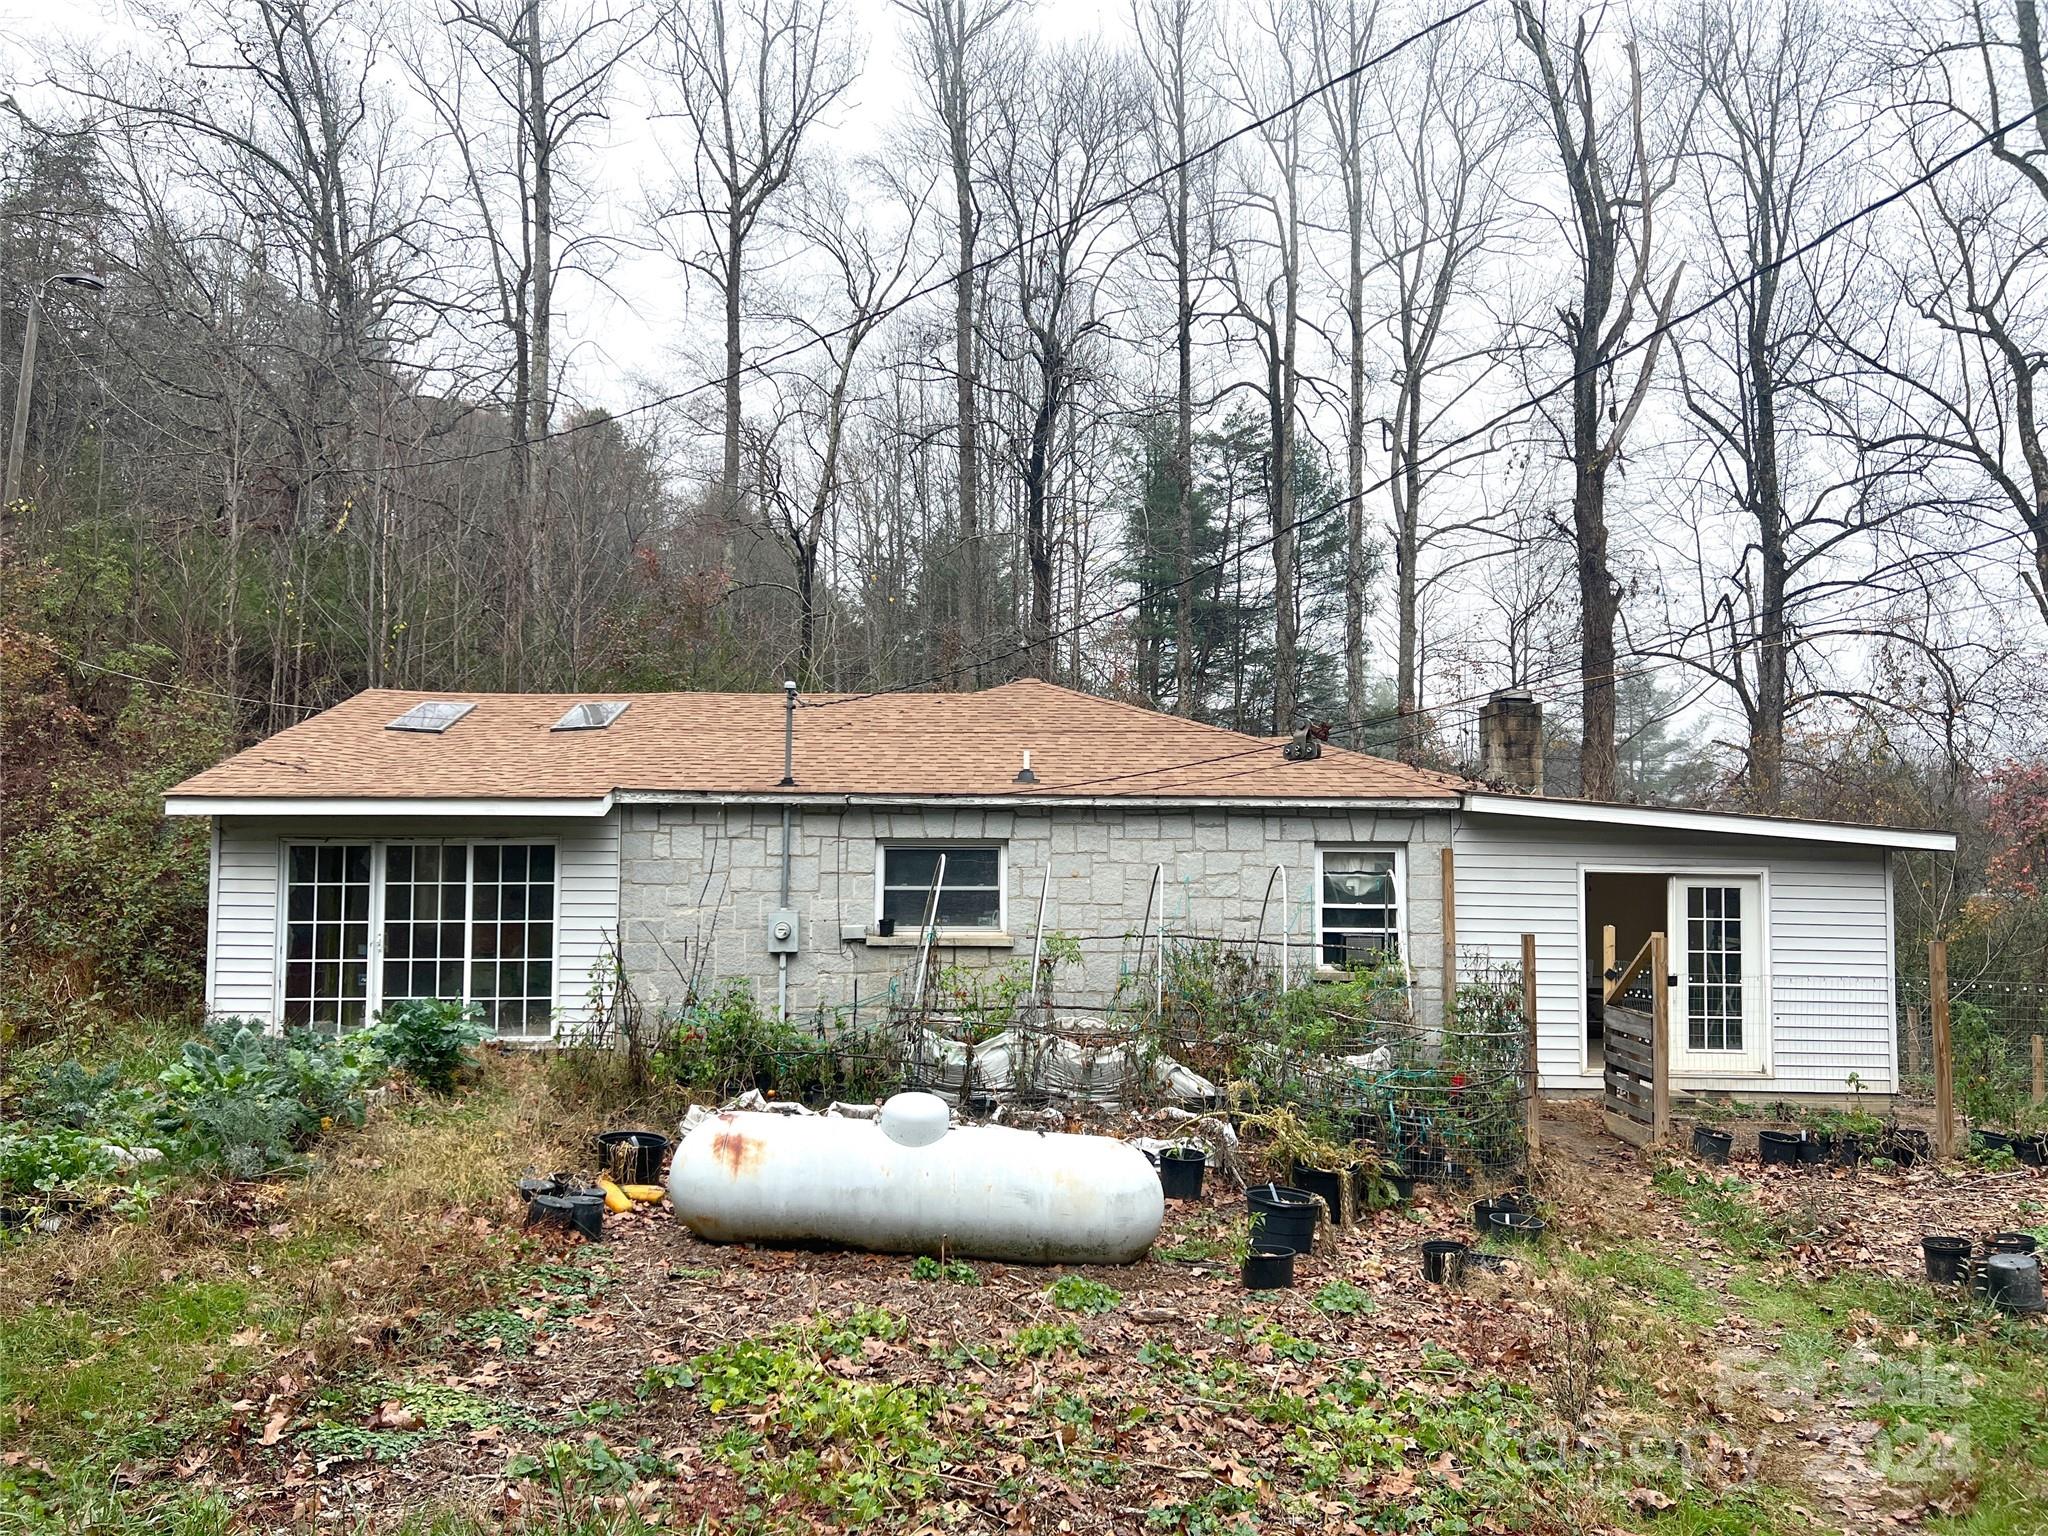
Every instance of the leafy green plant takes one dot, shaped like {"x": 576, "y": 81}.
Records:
{"x": 247, "y": 1103}
{"x": 70, "y": 1095}
{"x": 1077, "y": 1293}
{"x": 429, "y": 1039}
{"x": 1340, "y": 1298}
{"x": 44, "y": 1162}
{"x": 1035, "y": 1341}
{"x": 952, "y": 1271}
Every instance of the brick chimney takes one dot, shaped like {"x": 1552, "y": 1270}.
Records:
{"x": 1511, "y": 740}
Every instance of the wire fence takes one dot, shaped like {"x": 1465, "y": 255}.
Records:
{"x": 1210, "y": 1025}
{"x": 1997, "y": 1031}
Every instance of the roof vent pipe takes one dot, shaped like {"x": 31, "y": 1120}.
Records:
{"x": 789, "y": 735}
{"x": 1511, "y": 740}
{"x": 1024, "y": 774}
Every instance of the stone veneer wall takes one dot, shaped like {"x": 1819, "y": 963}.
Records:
{"x": 698, "y": 883}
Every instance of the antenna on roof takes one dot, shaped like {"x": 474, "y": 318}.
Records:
{"x": 1024, "y": 774}
{"x": 1306, "y": 745}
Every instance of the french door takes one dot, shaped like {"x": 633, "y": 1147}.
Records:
{"x": 1720, "y": 1009}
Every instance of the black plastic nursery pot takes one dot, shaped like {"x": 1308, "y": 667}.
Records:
{"x": 2012, "y": 1281}
{"x": 1947, "y": 1259}
{"x": 1851, "y": 1150}
{"x": 1521, "y": 1226}
{"x": 2011, "y": 1242}
{"x": 1710, "y": 1145}
{"x": 1990, "y": 1141}
{"x": 1404, "y": 1185}
{"x": 1514, "y": 1202}
{"x": 1816, "y": 1149}
{"x": 2031, "y": 1150}
{"x": 1326, "y": 1183}
{"x": 574, "y": 1210}
{"x": 632, "y": 1157}
{"x": 1269, "y": 1269}
{"x": 1283, "y": 1217}
{"x": 1779, "y": 1149}
{"x": 1180, "y": 1172}
{"x": 1443, "y": 1261}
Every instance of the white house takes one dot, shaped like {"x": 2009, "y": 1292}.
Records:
{"x": 511, "y": 849}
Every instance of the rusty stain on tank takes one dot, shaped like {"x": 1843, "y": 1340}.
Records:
{"x": 735, "y": 1149}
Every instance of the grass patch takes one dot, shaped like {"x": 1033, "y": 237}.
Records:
{"x": 1957, "y": 1387}
{"x": 859, "y": 1451}
{"x": 1720, "y": 1207}
{"x": 1651, "y": 1277}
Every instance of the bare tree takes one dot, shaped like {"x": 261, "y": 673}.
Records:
{"x": 753, "y": 78}
{"x": 1342, "y": 33}
{"x": 959, "y": 48}
{"x": 1057, "y": 149}
{"x": 1768, "y": 169}
{"x": 1433, "y": 203}
{"x": 871, "y": 266}
{"x": 1269, "y": 66}
{"x": 1613, "y": 188}
{"x": 516, "y": 99}
{"x": 1174, "y": 40}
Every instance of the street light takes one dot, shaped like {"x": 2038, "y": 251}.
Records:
{"x": 11, "y": 487}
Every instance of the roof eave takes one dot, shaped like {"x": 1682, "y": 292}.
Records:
{"x": 1049, "y": 799}
{"x": 321, "y": 807}
{"x": 1726, "y": 823}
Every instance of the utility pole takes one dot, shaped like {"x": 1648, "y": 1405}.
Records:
{"x": 17, "y": 442}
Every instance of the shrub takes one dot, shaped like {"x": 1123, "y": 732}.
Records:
{"x": 429, "y": 1039}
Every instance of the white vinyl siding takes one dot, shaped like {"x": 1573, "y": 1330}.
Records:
{"x": 1828, "y": 942}
{"x": 246, "y": 930}
{"x": 242, "y": 971}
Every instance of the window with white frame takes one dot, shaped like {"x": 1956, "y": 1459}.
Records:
{"x": 377, "y": 923}
{"x": 327, "y": 936}
{"x": 970, "y": 893}
{"x": 1358, "y": 905}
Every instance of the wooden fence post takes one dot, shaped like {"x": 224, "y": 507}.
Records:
{"x": 1660, "y": 1041}
{"x": 1944, "y": 1068}
{"x": 1529, "y": 1036}
{"x": 2040, "y": 1093}
{"x": 1915, "y": 1063}
{"x": 1450, "y": 935}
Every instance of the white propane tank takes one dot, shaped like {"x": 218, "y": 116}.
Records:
{"x": 908, "y": 1182}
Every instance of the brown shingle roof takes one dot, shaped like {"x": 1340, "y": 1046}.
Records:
{"x": 918, "y": 745}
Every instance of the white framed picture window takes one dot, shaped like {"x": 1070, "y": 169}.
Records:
{"x": 366, "y": 924}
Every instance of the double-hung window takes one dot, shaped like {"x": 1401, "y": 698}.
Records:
{"x": 970, "y": 893}
{"x": 1358, "y": 905}
{"x": 369, "y": 924}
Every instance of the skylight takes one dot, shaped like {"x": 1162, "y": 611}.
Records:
{"x": 592, "y": 716}
{"x": 434, "y": 716}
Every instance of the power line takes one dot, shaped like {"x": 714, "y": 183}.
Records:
{"x": 158, "y": 682}
{"x": 1485, "y": 428}
{"x": 939, "y": 285}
